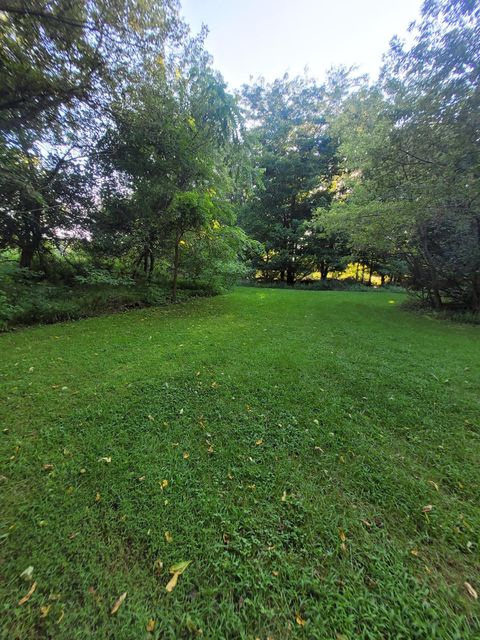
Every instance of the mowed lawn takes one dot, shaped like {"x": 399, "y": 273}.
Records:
{"x": 286, "y": 443}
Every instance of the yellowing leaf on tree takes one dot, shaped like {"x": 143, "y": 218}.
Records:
{"x": 27, "y": 597}
{"x": 118, "y": 603}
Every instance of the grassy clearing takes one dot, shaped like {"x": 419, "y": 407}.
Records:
{"x": 301, "y": 434}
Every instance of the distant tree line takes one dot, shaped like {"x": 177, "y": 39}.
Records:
{"x": 120, "y": 142}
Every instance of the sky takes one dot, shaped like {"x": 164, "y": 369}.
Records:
{"x": 269, "y": 37}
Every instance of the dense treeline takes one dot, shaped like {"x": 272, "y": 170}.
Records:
{"x": 125, "y": 161}
{"x": 385, "y": 176}
{"x": 120, "y": 150}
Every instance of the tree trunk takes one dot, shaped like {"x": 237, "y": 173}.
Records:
{"x": 26, "y": 256}
{"x": 324, "y": 271}
{"x": 290, "y": 276}
{"x": 382, "y": 279}
{"x": 476, "y": 292}
{"x": 176, "y": 260}
{"x": 435, "y": 296}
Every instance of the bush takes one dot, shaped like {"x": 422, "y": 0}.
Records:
{"x": 331, "y": 284}
{"x": 93, "y": 276}
{"x": 451, "y": 313}
{"x": 7, "y": 311}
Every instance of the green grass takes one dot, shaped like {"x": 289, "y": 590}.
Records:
{"x": 341, "y": 403}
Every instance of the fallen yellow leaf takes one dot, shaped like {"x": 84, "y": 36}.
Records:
{"x": 186, "y": 455}
{"x": 44, "y": 610}
{"x": 434, "y": 484}
{"x": 427, "y": 508}
{"x": 168, "y": 536}
{"x": 176, "y": 570}
{"x": 172, "y": 583}
{"x": 118, "y": 603}
{"x": 164, "y": 484}
{"x": 471, "y": 591}
{"x": 27, "y": 597}
{"x": 259, "y": 442}
{"x": 107, "y": 459}
{"x": 299, "y": 620}
{"x": 151, "y": 625}
{"x": 342, "y": 536}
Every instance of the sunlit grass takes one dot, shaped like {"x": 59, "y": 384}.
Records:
{"x": 284, "y": 442}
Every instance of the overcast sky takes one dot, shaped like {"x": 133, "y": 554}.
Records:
{"x": 268, "y": 37}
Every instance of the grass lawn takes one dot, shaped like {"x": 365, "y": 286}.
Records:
{"x": 284, "y": 442}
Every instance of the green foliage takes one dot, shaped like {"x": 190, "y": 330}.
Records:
{"x": 27, "y": 297}
{"x": 411, "y": 152}
{"x": 297, "y": 159}
{"x": 95, "y": 276}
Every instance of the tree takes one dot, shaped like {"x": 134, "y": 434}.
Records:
{"x": 56, "y": 55}
{"x": 296, "y": 155}
{"x": 411, "y": 148}
{"x": 165, "y": 160}
{"x": 62, "y": 64}
{"x": 39, "y": 197}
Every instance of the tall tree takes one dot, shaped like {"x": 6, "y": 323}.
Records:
{"x": 412, "y": 148}
{"x": 62, "y": 63}
{"x": 297, "y": 157}
{"x": 166, "y": 160}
